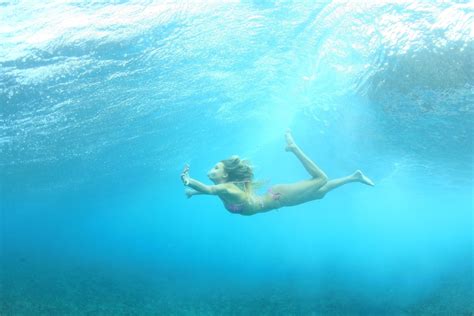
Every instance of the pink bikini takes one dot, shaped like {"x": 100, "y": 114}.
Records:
{"x": 234, "y": 208}
{"x": 275, "y": 196}
{"x": 238, "y": 208}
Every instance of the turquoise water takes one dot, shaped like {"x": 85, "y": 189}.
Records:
{"x": 103, "y": 104}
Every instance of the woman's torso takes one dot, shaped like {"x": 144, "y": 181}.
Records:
{"x": 239, "y": 201}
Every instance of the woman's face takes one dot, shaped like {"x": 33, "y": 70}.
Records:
{"x": 217, "y": 173}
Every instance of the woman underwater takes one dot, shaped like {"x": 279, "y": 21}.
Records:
{"x": 234, "y": 186}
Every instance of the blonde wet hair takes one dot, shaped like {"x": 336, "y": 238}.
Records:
{"x": 240, "y": 171}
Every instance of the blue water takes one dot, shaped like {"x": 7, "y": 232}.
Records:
{"x": 103, "y": 104}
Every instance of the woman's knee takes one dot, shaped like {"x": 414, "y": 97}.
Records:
{"x": 319, "y": 182}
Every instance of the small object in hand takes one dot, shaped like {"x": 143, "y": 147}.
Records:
{"x": 185, "y": 174}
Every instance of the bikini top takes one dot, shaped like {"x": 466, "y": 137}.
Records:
{"x": 239, "y": 207}
{"x": 234, "y": 208}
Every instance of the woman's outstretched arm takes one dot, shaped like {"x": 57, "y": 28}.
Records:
{"x": 191, "y": 192}
{"x": 200, "y": 187}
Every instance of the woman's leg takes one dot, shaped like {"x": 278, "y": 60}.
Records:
{"x": 309, "y": 165}
{"x": 309, "y": 190}
{"x": 357, "y": 176}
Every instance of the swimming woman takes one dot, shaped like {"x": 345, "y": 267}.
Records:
{"x": 233, "y": 184}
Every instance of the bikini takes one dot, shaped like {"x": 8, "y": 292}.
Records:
{"x": 275, "y": 196}
{"x": 234, "y": 208}
{"x": 238, "y": 208}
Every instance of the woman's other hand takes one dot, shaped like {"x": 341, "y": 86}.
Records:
{"x": 185, "y": 174}
{"x": 189, "y": 192}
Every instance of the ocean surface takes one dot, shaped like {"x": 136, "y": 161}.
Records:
{"x": 103, "y": 103}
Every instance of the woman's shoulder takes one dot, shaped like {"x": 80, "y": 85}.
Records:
{"x": 239, "y": 185}
{"x": 238, "y": 189}
{"x": 232, "y": 186}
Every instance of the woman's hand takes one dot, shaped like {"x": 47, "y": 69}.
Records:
{"x": 185, "y": 175}
{"x": 190, "y": 192}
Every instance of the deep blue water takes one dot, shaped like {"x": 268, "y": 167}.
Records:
{"x": 103, "y": 104}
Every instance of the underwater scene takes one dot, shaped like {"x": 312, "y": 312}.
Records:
{"x": 176, "y": 157}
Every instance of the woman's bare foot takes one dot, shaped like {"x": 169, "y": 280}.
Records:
{"x": 359, "y": 176}
{"x": 290, "y": 142}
